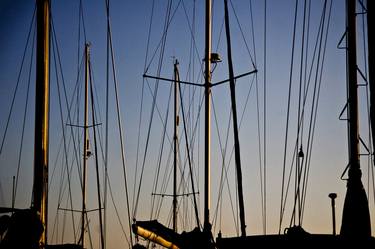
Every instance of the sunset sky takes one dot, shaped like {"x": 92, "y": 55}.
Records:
{"x": 130, "y": 22}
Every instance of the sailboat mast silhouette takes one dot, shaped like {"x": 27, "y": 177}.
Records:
{"x": 356, "y": 215}
{"x": 355, "y": 228}
{"x": 40, "y": 187}
{"x": 207, "y": 121}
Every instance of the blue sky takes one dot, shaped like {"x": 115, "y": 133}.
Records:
{"x": 130, "y": 20}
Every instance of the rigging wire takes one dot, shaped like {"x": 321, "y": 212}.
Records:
{"x": 164, "y": 181}
{"x": 164, "y": 38}
{"x": 265, "y": 121}
{"x": 315, "y": 99}
{"x": 56, "y": 223}
{"x": 159, "y": 160}
{"x": 81, "y": 22}
{"x": 167, "y": 174}
{"x": 119, "y": 123}
{"x": 96, "y": 159}
{"x": 168, "y": 22}
{"x": 305, "y": 88}
{"x": 224, "y": 169}
{"x": 287, "y": 116}
{"x": 161, "y": 44}
{"x": 18, "y": 80}
{"x": 316, "y": 108}
{"x": 261, "y": 157}
{"x": 69, "y": 105}
{"x": 117, "y": 213}
{"x": 242, "y": 33}
{"x": 141, "y": 104}
{"x": 192, "y": 35}
{"x": 367, "y": 92}
{"x": 189, "y": 159}
{"x": 365, "y": 76}
{"x": 305, "y": 99}
{"x": 106, "y": 160}
{"x": 225, "y": 166}
{"x": 299, "y": 134}
{"x": 54, "y": 49}
{"x": 190, "y": 76}
{"x": 23, "y": 122}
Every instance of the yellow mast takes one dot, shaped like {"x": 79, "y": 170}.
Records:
{"x": 40, "y": 187}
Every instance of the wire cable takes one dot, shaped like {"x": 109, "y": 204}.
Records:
{"x": 18, "y": 80}
{"x": 287, "y": 115}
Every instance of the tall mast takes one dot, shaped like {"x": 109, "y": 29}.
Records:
{"x": 40, "y": 187}
{"x": 175, "y": 145}
{"x": 371, "y": 65}
{"x": 235, "y": 124}
{"x": 85, "y": 147}
{"x": 207, "y": 124}
{"x": 356, "y": 217}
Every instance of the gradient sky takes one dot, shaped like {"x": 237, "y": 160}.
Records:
{"x": 130, "y": 20}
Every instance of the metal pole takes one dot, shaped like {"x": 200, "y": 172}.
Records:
{"x": 85, "y": 147}
{"x": 175, "y": 146}
{"x": 371, "y": 64}
{"x": 13, "y": 192}
{"x": 40, "y": 187}
{"x": 207, "y": 130}
{"x": 235, "y": 125}
{"x": 333, "y": 196}
{"x": 356, "y": 215}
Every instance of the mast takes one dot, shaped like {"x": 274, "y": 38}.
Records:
{"x": 371, "y": 65}
{"x": 175, "y": 145}
{"x": 40, "y": 186}
{"x": 207, "y": 124}
{"x": 235, "y": 124}
{"x": 356, "y": 217}
{"x": 85, "y": 147}
{"x": 207, "y": 115}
